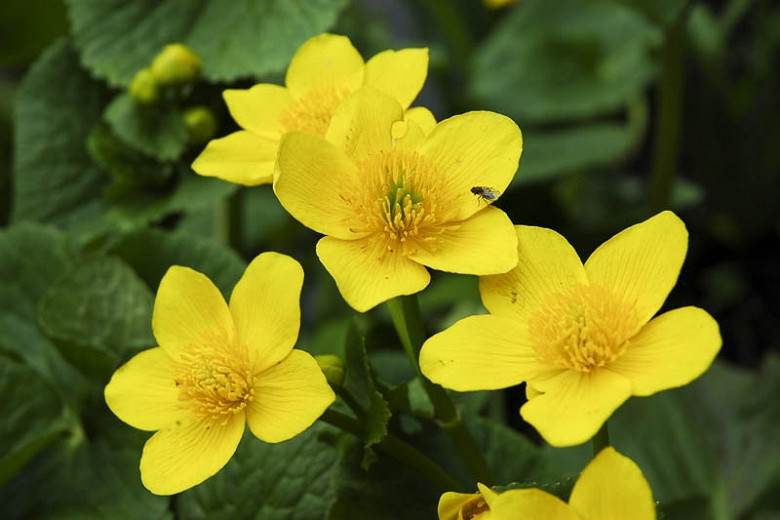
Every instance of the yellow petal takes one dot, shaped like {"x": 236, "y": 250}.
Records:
{"x": 531, "y": 504}
{"x": 482, "y": 352}
{"x": 672, "y": 350}
{"x": 401, "y": 74}
{"x": 289, "y": 397}
{"x": 241, "y": 157}
{"x": 259, "y": 108}
{"x": 451, "y": 503}
{"x": 313, "y": 177}
{"x": 188, "y": 452}
{"x": 407, "y": 135}
{"x": 423, "y": 117}
{"x": 547, "y": 264}
{"x": 484, "y": 244}
{"x": 143, "y": 393}
{"x": 612, "y": 486}
{"x": 575, "y": 405}
{"x": 367, "y": 274}
{"x": 474, "y": 149}
{"x": 189, "y": 311}
{"x": 266, "y": 308}
{"x": 326, "y": 60}
{"x": 641, "y": 263}
{"x": 362, "y": 123}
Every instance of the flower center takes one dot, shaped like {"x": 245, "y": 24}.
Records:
{"x": 311, "y": 113}
{"x": 474, "y": 508}
{"x": 215, "y": 382}
{"x": 582, "y": 328}
{"x": 400, "y": 200}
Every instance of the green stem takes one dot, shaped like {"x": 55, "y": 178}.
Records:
{"x": 229, "y": 220}
{"x": 399, "y": 450}
{"x": 601, "y": 439}
{"x": 405, "y": 313}
{"x": 350, "y": 401}
{"x": 453, "y": 28}
{"x": 668, "y": 128}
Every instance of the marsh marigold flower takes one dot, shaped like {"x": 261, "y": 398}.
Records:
{"x": 323, "y": 72}
{"x": 218, "y": 368}
{"x": 610, "y": 487}
{"x": 580, "y": 336}
{"x": 394, "y": 197}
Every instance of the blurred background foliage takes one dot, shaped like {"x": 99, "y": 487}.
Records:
{"x": 627, "y": 107}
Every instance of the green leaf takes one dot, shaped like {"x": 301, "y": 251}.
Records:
{"x": 157, "y": 131}
{"x": 222, "y": 265}
{"x": 662, "y": 12}
{"x": 94, "y": 476}
{"x": 33, "y": 416}
{"x": 32, "y": 257}
{"x": 22, "y": 340}
{"x": 387, "y": 490}
{"x": 360, "y": 382}
{"x": 238, "y": 39}
{"x": 742, "y": 424}
{"x": 54, "y": 178}
{"x": 551, "y": 154}
{"x": 191, "y": 193}
{"x": 512, "y": 456}
{"x": 103, "y": 305}
{"x": 130, "y": 170}
{"x": 290, "y": 480}
{"x": 564, "y": 59}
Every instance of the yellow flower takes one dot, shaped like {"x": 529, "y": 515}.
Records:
{"x": 581, "y": 336}
{"x": 394, "y": 196}
{"x": 611, "y": 487}
{"x": 217, "y": 369}
{"x": 323, "y": 72}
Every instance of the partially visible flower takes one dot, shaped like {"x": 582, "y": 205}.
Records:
{"x": 175, "y": 65}
{"x": 393, "y": 197}
{"x": 324, "y": 71}
{"x": 581, "y": 336}
{"x": 610, "y": 487}
{"x": 219, "y": 368}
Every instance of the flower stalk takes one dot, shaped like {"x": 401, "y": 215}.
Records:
{"x": 669, "y": 125}
{"x": 601, "y": 439}
{"x": 405, "y": 313}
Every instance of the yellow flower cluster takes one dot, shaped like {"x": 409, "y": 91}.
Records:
{"x": 394, "y": 192}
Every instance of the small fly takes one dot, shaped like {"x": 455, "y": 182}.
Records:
{"x": 484, "y": 193}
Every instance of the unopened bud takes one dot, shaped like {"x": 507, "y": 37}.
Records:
{"x": 144, "y": 89}
{"x": 201, "y": 124}
{"x": 176, "y": 65}
{"x": 333, "y": 368}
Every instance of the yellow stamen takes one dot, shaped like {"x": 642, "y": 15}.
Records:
{"x": 582, "y": 328}
{"x": 311, "y": 113}
{"x": 400, "y": 201}
{"x": 215, "y": 382}
{"x": 474, "y": 508}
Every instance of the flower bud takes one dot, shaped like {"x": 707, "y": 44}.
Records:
{"x": 333, "y": 368}
{"x": 201, "y": 124}
{"x": 176, "y": 65}
{"x": 144, "y": 89}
